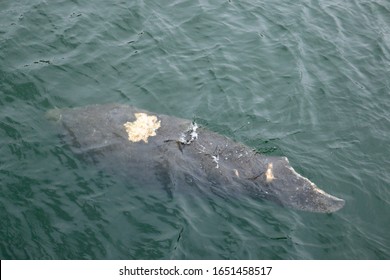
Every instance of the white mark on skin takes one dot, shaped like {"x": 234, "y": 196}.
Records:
{"x": 236, "y": 173}
{"x": 142, "y": 128}
{"x": 192, "y": 133}
{"x": 216, "y": 160}
{"x": 269, "y": 175}
{"x": 202, "y": 150}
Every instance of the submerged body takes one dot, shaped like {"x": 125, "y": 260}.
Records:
{"x": 176, "y": 153}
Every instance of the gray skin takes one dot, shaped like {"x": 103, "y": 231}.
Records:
{"x": 182, "y": 156}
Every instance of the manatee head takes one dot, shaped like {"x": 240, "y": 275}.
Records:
{"x": 282, "y": 184}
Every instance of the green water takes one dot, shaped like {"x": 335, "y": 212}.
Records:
{"x": 309, "y": 80}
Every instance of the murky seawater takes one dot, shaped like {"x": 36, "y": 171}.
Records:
{"x": 304, "y": 79}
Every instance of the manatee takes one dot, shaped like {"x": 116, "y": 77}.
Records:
{"x": 178, "y": 154}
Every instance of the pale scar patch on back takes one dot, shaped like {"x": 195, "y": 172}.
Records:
{"x": 142, "y": 128}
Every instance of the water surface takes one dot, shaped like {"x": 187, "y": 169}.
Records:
{"x": 304, "y": 79}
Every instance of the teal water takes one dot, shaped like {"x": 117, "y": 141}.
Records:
{"x": 305, "y": 79}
